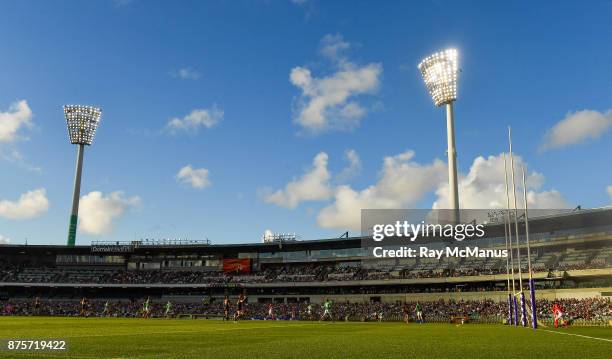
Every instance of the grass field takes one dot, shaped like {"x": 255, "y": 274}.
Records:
{"x": 159, "y": 338}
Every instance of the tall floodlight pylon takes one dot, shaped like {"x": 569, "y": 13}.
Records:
{"x": 440, "y": 72}
{"x": 82, "y": 122}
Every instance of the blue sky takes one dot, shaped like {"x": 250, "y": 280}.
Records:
{"x": 244, "y": 81}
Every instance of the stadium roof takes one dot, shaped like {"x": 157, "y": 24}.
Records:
{"x": 544, "y": 224}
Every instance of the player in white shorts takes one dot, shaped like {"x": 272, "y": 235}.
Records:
{"x": 271, "y": 311}
{"x": 327, "y": 309}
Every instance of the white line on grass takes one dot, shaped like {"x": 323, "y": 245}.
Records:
{"x": 578, "y": 335}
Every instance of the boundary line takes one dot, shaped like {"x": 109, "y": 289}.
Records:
{"x": 577, "y": 335}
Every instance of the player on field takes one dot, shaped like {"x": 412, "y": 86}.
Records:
{"x": 406, "y": 312}
{"x": 84, "y": 305}
{"x": 8, "y": 308}
{"x": 106, "y": 311}
{"x": 419, "y": 313}
{"x": 309, "y": 311}
{"x": 36, "y": 306}
{"x": 558, "y": 315}
{"x": 226, "y": 308}
{"x": 146, "y": 308}
{"x": 240, "y": 307}
{"x": 168, "y": 312}
{"x": 327, "y": 307}
{"x": 271, "y": 311}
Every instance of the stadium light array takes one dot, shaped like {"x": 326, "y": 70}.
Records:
{"x": 82, "y": 122}
{"x": 440, "y": 73}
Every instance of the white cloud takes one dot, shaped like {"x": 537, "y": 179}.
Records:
{"x": 609, "y": 190}
{"x": 29, "y": 205}
{"x": 329, "y": 102}
{"x": 334, "y": 47}
{"x": 4, "y": 240}
{"x": 19, "y": 115}
{"x": 483, "y": 187}
{"x": 187, "y": 73}
{"x": 402, "y": 183}
{"x": 195, "y": 120}
{"x": 195, "y": 177}
{"x": 97, "y": 212}
{"x": 353, "y": 168}
{"x": 312, "y": 186}
{"x": 14, "y": 156}
{"x": 577, "y": 127}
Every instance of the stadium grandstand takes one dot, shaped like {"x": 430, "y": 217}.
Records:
{"x": 571, "y": 259}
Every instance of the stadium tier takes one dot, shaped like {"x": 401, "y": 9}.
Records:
{"x": 571, "y": 256}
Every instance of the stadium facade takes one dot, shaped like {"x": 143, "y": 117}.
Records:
{"x": 571, "y": 258}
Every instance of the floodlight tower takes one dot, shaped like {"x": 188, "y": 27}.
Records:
{"x": 440, "y": 72}
{"x": 82, "y": 123}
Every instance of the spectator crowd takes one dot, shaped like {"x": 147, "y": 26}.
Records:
{"x": 592, "y": 309}
{"x": 279, "y": 273}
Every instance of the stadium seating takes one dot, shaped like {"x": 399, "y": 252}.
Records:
{"x": 570, "y": 259}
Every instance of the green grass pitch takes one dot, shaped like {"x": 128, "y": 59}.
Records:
{"x": 160, "y": 338}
